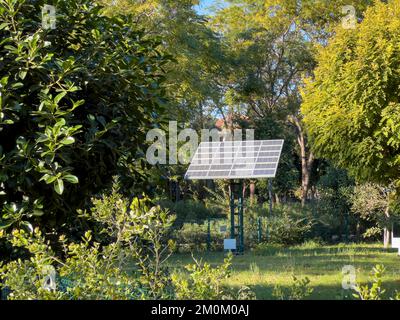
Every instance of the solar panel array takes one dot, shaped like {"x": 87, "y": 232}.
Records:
{"x": 235, "y": 160}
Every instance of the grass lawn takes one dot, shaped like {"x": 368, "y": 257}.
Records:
{"x": 266, "y": 267}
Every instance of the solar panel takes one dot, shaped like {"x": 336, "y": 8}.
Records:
{"x": 235, "y": 160}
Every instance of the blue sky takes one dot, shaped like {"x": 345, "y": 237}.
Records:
{"x": 204, "y": 4}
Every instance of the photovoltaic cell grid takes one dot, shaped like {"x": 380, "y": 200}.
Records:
{"x": 235, "y": 160}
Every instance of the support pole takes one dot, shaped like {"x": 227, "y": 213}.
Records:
{"x": 270, "y": 207}
{"x": 241, "y": 220}
{"x": 237, "y": 230}
{"x": 232, "y": 205}
{"x": 270, "y": 196}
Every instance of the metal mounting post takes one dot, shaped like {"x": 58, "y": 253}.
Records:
{"x": 236, "y": 209}
{"x": 241, "y": 220}
{"x": 232, "y": 205}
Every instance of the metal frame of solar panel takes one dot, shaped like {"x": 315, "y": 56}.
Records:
{"x": 235, "y": 160}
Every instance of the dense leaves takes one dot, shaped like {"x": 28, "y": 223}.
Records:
{"x": 130, "y": 266}
{"x": 351, "y": 108}
{"x": 75, "y": 104}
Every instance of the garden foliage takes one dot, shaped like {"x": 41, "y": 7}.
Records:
{"x": 75, "y": 105}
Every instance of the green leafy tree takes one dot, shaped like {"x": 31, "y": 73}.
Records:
{"x": 272, "y": 44}
{"x": 351, "y": 107}
{"x": 316, "y": 18}
{"x": 333, "y": 208}
{"x": 268, "y": 57}
{"x": 370, "y": 202}
{"x": 75, "y": 105}
{"x": 193, "y": 77}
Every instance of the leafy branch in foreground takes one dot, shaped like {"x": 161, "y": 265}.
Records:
{"x": 136, "y": 236}
{"x": 298, "y": 290}
{"x": 204, "y": 282}
{"x": 375, "y": 291}
{"x": 75, "y": 105}
{"x": 124, "y": 258}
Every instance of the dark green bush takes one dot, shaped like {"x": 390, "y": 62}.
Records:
{"x": 331, "y": 210}
{"x": 75, "y": 105}
{"x": 289, "y": 225}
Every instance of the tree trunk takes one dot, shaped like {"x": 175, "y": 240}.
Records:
{"x": 252, "y": 192}
{"x": 387, "y": 233}
{"x": 307, "y": 159}
{"x": 244, "y": 189}
{"x": 386, "y": 238}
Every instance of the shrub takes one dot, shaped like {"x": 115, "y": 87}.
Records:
{"x": 288, "y": 226}
{"x": 299, "y": 290}
{"x": 332, "y": 207}
{"x": 191, "y": 237}
{"x": 95, "y": 271}
{"x": 203, "y": 281}
{"x": 374, "y": 291}
{"x": 130, "y": 264}
{"x": 75, "y": 106}
{"x": 251, "y": 216}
